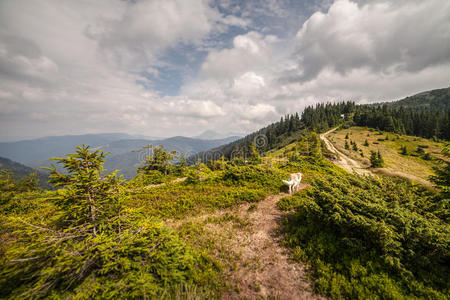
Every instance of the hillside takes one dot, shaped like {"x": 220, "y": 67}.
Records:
{"x": 20, "y": 171}
{"x": 216, "y": 234}
{"x": 426, "y": 115}
{"x": 435, "y": 100}
{"x": 419, "y": 159}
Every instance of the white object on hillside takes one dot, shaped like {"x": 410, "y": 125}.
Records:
{"x": 293, "y": 182}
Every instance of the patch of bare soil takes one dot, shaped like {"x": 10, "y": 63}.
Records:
{"x": 343, "y": 160}
{"x": 248, "y": 242}
{"x": 264, "y": 270}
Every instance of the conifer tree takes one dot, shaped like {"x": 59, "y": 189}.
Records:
{"x": 442, "y": 177}
{"x": 89, "y": 196}
{"x": 159, "y": 159}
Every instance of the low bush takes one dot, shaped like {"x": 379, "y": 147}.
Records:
{"x": 367, "y": 237}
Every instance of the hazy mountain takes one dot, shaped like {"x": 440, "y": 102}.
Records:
{"x": 213, "y": 135}
{"x": 20, "y": 171}
{"x": 37, "y": 153}
{"x": 34, "y": 152}
{"x": 124, "y": 157}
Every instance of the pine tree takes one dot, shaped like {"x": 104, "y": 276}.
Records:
{"x": 442, "y": 177}
{"x": 89, "y": 196}
{"x": 158, "y": 160}
{"x": 376, "y": 160}
{"x": 404, "y": 151}
{"x": 347, "y": 145}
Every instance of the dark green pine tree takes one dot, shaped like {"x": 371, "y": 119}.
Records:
{"x": 90, "y": 197}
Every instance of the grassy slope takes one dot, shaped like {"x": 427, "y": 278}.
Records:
{"x": 366, "y": 237}
{"x": 390, "y": 149}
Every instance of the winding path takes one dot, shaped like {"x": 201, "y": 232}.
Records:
{"x": 272, "y": 274}
{"x": 343, "y": 160}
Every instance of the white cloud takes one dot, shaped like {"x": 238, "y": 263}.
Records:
{"x": 249, "y": 51}
{"x": 248, "y": 84}
{"x": 145, "y": 28}
{"x": 387, "y": 37}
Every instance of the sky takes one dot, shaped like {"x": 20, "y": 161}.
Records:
{"x": 180, "y": 67}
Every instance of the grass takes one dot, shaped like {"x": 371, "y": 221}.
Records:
{"x": 413, "y": 163}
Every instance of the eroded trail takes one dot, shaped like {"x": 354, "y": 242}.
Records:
{"x": 266, "y": 270}
{"x": 343, "y": 160}
{"x": 248, "y": 242}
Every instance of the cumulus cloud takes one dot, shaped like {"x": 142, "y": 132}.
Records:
{"x": 249, "y": 51}
{"x": 386, "y": 37}
{"x": 143, "y": 29}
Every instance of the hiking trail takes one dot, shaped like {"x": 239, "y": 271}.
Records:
{"x": 343, "y": 160}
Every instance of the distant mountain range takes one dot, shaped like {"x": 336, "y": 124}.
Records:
{"x": 37, "y": 153}
{"x": 213, "y": 135}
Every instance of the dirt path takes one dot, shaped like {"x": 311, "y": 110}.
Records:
{"x": 181, "y": 179}
{"x": 257, "y": 265}
{"x": 266, "y": 271}
{"x": 343, "y": 160}
{"x": 352, "y": 165}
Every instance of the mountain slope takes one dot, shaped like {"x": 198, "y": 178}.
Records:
{"x": 21, "y": 171}
{"x": 123, "y": 155}
{"x": 436, "y": 100}
{"x": 32, "y": 152}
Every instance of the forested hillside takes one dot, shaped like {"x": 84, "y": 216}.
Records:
{"x": 21, "y": 172}
{"x": 425, "y": 115}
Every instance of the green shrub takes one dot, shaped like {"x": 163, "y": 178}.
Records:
{"x": 369, "y": 237}
{"x": 141, "y": 261}
{"x": 90, "y": 245}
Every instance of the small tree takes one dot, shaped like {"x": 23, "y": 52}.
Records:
{"x": 376, "y": 160}
{"x": 420, "y": 150}
{"x": 380, "y": 159}
{"x": 255, "y": 158}
{"x": 159, "y": 159}
{"x": 346, "y": 136}
{"x": 442, "y": 177}
{"x": 88, "y": 196}
{"x": 403, "y": 150}
{"x": 355, "y": 147}
{"x": 347, "y": 145}
{"x": 366, "y": 143}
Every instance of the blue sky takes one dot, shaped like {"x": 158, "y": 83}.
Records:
{"x": 180, "y": 67}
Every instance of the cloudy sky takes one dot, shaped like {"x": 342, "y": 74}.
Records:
{"x": 180, "y": 67}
